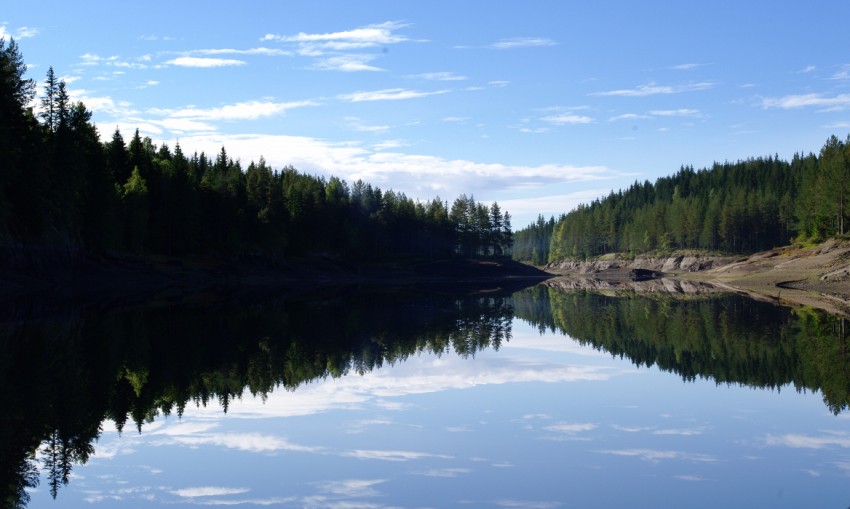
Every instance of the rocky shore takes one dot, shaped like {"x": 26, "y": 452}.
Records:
{"x": 816, "y": 276}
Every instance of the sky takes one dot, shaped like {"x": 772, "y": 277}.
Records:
{"x": 538, "y": 105}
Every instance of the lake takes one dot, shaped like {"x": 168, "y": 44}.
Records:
{"x": 539, "y": 398}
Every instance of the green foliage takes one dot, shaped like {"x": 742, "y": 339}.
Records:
{"x": 740, "y": 207}
{"x": 531, "y": 244}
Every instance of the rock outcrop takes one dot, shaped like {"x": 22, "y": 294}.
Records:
{"x": 675, "y": 263}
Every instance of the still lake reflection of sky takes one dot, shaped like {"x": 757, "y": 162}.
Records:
{"x": 541, "y": 423}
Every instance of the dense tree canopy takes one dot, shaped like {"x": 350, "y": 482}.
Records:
{"x": 738, "y": 207}
{"x": 61, "y": 187}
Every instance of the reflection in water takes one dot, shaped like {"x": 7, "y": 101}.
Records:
{"x": 62, "y": 377}
{"x": 64, "y": 372}
{"x": 726, "y": 338}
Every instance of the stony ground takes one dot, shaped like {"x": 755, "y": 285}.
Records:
{"x": 815, "y": 276}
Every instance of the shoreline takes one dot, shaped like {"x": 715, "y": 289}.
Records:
{"x": 816, "y": 276}
{"x": 114, "y": 278}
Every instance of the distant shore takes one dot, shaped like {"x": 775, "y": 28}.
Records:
{"x": 817, "y": 276}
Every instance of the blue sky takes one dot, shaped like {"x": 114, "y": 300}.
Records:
{"x": 539, "y": 105}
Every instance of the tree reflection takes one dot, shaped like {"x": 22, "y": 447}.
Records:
{"x": 726, "y": 338}
{"x": 63, "y": 372}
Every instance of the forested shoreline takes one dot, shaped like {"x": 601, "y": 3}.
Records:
{"x": 62, "y": 188}
{"x": 742, "y": 207}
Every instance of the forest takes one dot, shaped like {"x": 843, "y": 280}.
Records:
{"x": 62, "y": 188}
{"x": 741, "y": 207}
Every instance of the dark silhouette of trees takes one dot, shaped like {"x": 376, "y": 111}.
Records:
{"x": 61, "y": 189}
{"x": 69, "y": 370}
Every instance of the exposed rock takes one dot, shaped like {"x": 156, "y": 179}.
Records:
{"x": 662, "y": 285}
{"x": 675, "y": 263}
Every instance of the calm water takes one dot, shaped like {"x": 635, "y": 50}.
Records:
{"x": 543, "y": 398}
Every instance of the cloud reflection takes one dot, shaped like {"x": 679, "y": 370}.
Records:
{"x": 209, "y": 491}
{"x": 250, "y": 442}
{"x": 830, "y": 439}
{"x": 371, "y": 454}
{"x": 655, "y": 456}
{"x": 351, "y": 487}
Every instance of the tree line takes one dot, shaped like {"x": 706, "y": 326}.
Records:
{"x": 61, "y": 186}
{"x": 741, "y": 207}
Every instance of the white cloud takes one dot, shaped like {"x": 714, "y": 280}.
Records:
{"x": 372, "y": 454}
{"x": 248, "y": 110}
{"x": 204, "y": 62}
{"x": 681, "y": 112}
{"x": 25, "y": 32}
{"x": 440, "y": 76}
{"x": 183, "y": 428}
{"x": 444, "y": 472}
{"x": 691, "y": 478}
{"x": 19, "y": 33}
{"x": 455, "y": 119}
{"x": 655, "y": 456}
{"x": 836, "y": 439}
{"x": 420, "y": 176}
{"x": 92, "y": 59}
{"x": 632, "y": 429}
{"x": 571, "y": 428}
{"x": 567, "y": 118}
{"x": 371, "y": 35}
{"x": 523, "y": 42}
{"x": 154, "y": 37}
{"x": 840, "y": 101}
{"x": 208, "y": 491}
{"x": 273, "y": 52}
{"x": 335, "y": 51}
{"x": 250, "y": 442}
{"x": 842, "y": 74}
{"x": 653, "y": 89}
{"x": 683, "y": 432}
{"x": 685, "y": 67}
{"x": 346, "y": 63}
{"x": 389, "y": 94}
{"x": 103, "y": 104}
{"x": 389, "y": 144}
{"x": 356, "y": 124}
{"x": 351, "y": 487}
{"x": 628, "y": 116}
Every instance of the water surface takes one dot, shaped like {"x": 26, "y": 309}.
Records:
{"x": 543, "y": 398}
